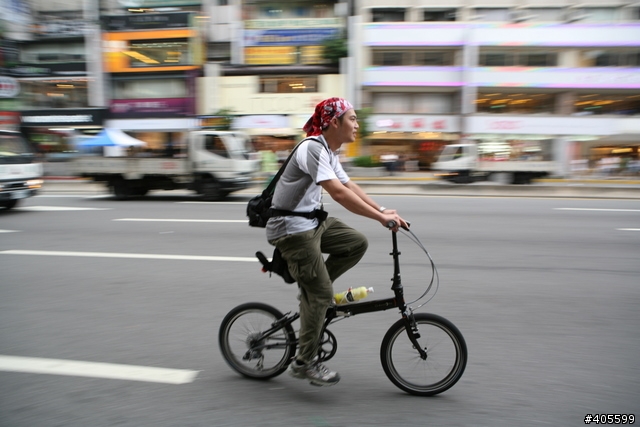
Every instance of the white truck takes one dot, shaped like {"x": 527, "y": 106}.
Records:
{"x": 20, "y": 171}
{"x": 212, "y": 163}
{"x": 511, "y": 162}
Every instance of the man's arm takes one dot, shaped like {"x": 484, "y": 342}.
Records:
{"x": 354, "y": 202}
{"x": 365, "y": 197}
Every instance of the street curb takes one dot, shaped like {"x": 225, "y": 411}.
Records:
{"x": 422, "y": 186}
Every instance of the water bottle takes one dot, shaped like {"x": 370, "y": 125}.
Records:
{"x": 351, "y": 295}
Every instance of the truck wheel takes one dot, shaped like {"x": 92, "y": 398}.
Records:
{"x": 121, "y": 190}
{"x": 521, "y": 178}
{"x": 9, "y": 204}
{"x": 211, "y": 191}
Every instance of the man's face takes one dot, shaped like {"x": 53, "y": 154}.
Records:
{"x": 348, "y": 126}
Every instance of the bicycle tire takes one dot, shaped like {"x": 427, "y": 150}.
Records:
{"x": 446, "y": 355}
{"x": 246, "y": 351}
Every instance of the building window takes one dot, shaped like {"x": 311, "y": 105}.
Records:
{"x": 395, "y": 14}
{"x": 495, "y": 59}
{"x": 158, "y": 53}
{"x": 538, "y": 59}
{"x": 547, "y": 14}
{"x": 389, "y": 58}
{"x": 58, "y": 93}
{"x": 607, "y": 58}
{"x": 524, "y": 59}
{"x": 492, "y": 14}
{"x": 600, "y": 14}
{"x": 412, "y": 103}
{"x": 515, "y": 103}
{"x": 434, "y": 58}
{"x": 439, "y": 15}
{"x": 150, "y": 88}
{"x": 53, "y": 53}
{"x": 598, "y": 103}
{"x": 288, "y": 84}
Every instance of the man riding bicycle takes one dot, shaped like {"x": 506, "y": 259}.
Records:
{"x": 315, "y": 167}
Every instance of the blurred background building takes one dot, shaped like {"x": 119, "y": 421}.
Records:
{"x": 520, "y": 77}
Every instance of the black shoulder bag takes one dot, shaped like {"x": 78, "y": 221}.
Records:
{"x": 259, "y": 207}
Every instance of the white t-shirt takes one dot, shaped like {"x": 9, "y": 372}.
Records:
{"x": 298, "y": 188}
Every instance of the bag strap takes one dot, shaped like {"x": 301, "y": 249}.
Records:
{"x": 274, "y": 180}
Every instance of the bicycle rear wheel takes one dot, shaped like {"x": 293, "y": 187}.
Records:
{"x": 253, "y": 343}
{"x": 446, "y": 355}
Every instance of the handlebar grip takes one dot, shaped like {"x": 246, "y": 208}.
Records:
{"x": 391, "y": 224}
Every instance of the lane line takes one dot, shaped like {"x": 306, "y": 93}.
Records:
{"x": 597, "y": 210}
{"x": 628, "y": 229}
{"x": 9, "y": 231}
{"x": 214, "y": 203}
{"x": 37, "y": 365}
{"x": 128, "y": 255}
{"x": 58, "y": 208}
{"x": 179, "y": 220}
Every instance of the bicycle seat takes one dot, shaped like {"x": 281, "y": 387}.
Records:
{"x": 277, "y": 265}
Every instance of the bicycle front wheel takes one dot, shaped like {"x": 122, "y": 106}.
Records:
{"x": 254, "y": 344}
{"x": 446, "y": 355}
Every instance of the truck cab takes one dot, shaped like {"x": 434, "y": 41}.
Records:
{"x": 220, "y": 162}
{"x": 457, "y": 163}
{"x": 20, "y": 171}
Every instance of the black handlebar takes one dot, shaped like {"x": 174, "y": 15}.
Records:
{"x": 392, "y": 224}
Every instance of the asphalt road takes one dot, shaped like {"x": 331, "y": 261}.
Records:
{"x": 545, "y": 291}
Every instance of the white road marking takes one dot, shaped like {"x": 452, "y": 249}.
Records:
{"x": 9, "y": 231}
{"x": 36, "y": 365}
{"x": 128, "y": 255}
{"x": 628, "y": 229}
{"x": 179, "y": 220}
{"x": 214, "y": 203}
{"x": 597, "y": 210}
{"x": 59, "y": 208}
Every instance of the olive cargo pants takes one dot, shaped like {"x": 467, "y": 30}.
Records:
{"x": 315, "y": 276}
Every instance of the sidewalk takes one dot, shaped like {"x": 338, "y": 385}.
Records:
{"x": 424, "y": 183}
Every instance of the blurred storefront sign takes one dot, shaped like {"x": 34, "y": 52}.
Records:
{"x": 543, "y": 125}
{"x": 413, "y": 123}
{"x": 160, "y": 125}
{"x": 288, "y": 41}
{"x": 262, "y": 24}
{"x": 265, "y": 125}
{"x": 157, "y": 107}
{"x": 70, "y": 118}
{"x": 289, "y": 37}
{"x": 60, "y": 70}
{"x": 57, "y": 28}
{"x": 9, "y": 87}
{"x": 147, "y": 21}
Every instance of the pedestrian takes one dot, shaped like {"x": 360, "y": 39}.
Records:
{"x": 315, "y": 167}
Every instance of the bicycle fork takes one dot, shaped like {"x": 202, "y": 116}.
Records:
{"x": 413, "y": 333}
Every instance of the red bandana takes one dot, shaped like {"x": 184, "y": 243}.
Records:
{"x": 325, "y": 111}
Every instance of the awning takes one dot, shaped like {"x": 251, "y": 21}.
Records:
{"x": 111, "y": 138}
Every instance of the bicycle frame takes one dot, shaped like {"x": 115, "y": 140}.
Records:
{"x": 352, "y": 309}
{"x": 397, "y": 300}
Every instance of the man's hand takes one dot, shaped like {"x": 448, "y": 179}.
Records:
{"x": 395, "y": 218}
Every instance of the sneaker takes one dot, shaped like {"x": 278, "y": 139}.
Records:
{"x": 315, "y": 372}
